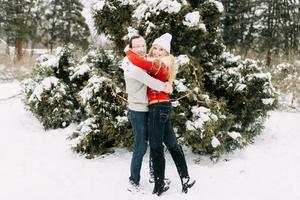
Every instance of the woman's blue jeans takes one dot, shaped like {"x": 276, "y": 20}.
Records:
{"x": 160, "y": 131}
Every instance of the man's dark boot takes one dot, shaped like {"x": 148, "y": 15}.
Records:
{"x": 187, "y": 183}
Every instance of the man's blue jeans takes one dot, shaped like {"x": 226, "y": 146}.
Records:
{"x": 138, "y": 122}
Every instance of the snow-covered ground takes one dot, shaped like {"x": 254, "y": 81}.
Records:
{"x": 39, "y": 165}
{"x": 2, "y": 67}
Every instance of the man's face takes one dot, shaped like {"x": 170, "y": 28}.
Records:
{"x": 139, "y": 46}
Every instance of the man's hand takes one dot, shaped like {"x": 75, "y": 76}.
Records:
{"x": 126, "y": 49}
{"x": 169, "y": 88}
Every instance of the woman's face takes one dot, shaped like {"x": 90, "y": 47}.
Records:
{"x": 157, "y": 51}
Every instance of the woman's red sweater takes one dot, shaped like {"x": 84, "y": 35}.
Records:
{"x": 156, "y": 69}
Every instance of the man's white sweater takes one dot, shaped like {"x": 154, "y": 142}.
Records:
{"x": 137, "y": 81}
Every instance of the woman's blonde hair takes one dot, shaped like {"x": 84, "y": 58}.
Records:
{"x": 171, "y": 66}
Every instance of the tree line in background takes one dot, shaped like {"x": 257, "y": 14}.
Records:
{"x": 263, "y": 27}
{"x": 249, "y": 27}
{"x": 26, "y": 23}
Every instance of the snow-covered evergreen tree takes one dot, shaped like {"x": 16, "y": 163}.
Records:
{"x": 239, "y": 30}
{"x": 108, "y": 125}
{"x": 279, "y": 27}
{"x": 63, "y": 23}
{"x": 18, "y": 23}
{"x": 64, "y": 90}
{"x": 263, "y": 27}
{"x": 48, "y": 94}
{"x": 209, "y": 117}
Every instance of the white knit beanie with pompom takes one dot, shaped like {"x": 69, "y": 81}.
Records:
{"x": 164, "y": 41}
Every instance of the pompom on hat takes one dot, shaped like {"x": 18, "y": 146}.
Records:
{"x": 164, "y": 41}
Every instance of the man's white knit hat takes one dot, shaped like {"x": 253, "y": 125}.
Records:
{"x": 164, "y": 41}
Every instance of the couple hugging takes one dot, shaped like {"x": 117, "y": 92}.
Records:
{"x": 148, "y": 81}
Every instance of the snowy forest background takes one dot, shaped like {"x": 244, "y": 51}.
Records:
{"x": 236, "y": 52}
{"x": 249, "y": 28}
{"x": 238, "y": 61}
{"x": 225, "y": 84}
{"x": 265, "y": 30}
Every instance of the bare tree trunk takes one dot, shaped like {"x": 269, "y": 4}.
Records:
{"x": 19, "y": 49}
{"x": 269, "y": 58}
{"x": 7, "y": 47}
{"x": 7, "y": 50}
{"x": 51, "y": 47}
{"x": 32, "y": 49}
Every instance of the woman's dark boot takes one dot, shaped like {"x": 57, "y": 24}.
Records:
{"x": 159, "y": 171}
{"x": 160, "y": 188}
{"x": 187, "y": 183}
{"x": 180, "y": 162}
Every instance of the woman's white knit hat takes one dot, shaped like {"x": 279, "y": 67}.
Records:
{"x": 164, "y": 41}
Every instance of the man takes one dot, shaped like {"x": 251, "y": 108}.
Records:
{"x": 137, "y": 81}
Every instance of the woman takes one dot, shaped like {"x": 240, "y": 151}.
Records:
{"x": 160, "y": 130}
